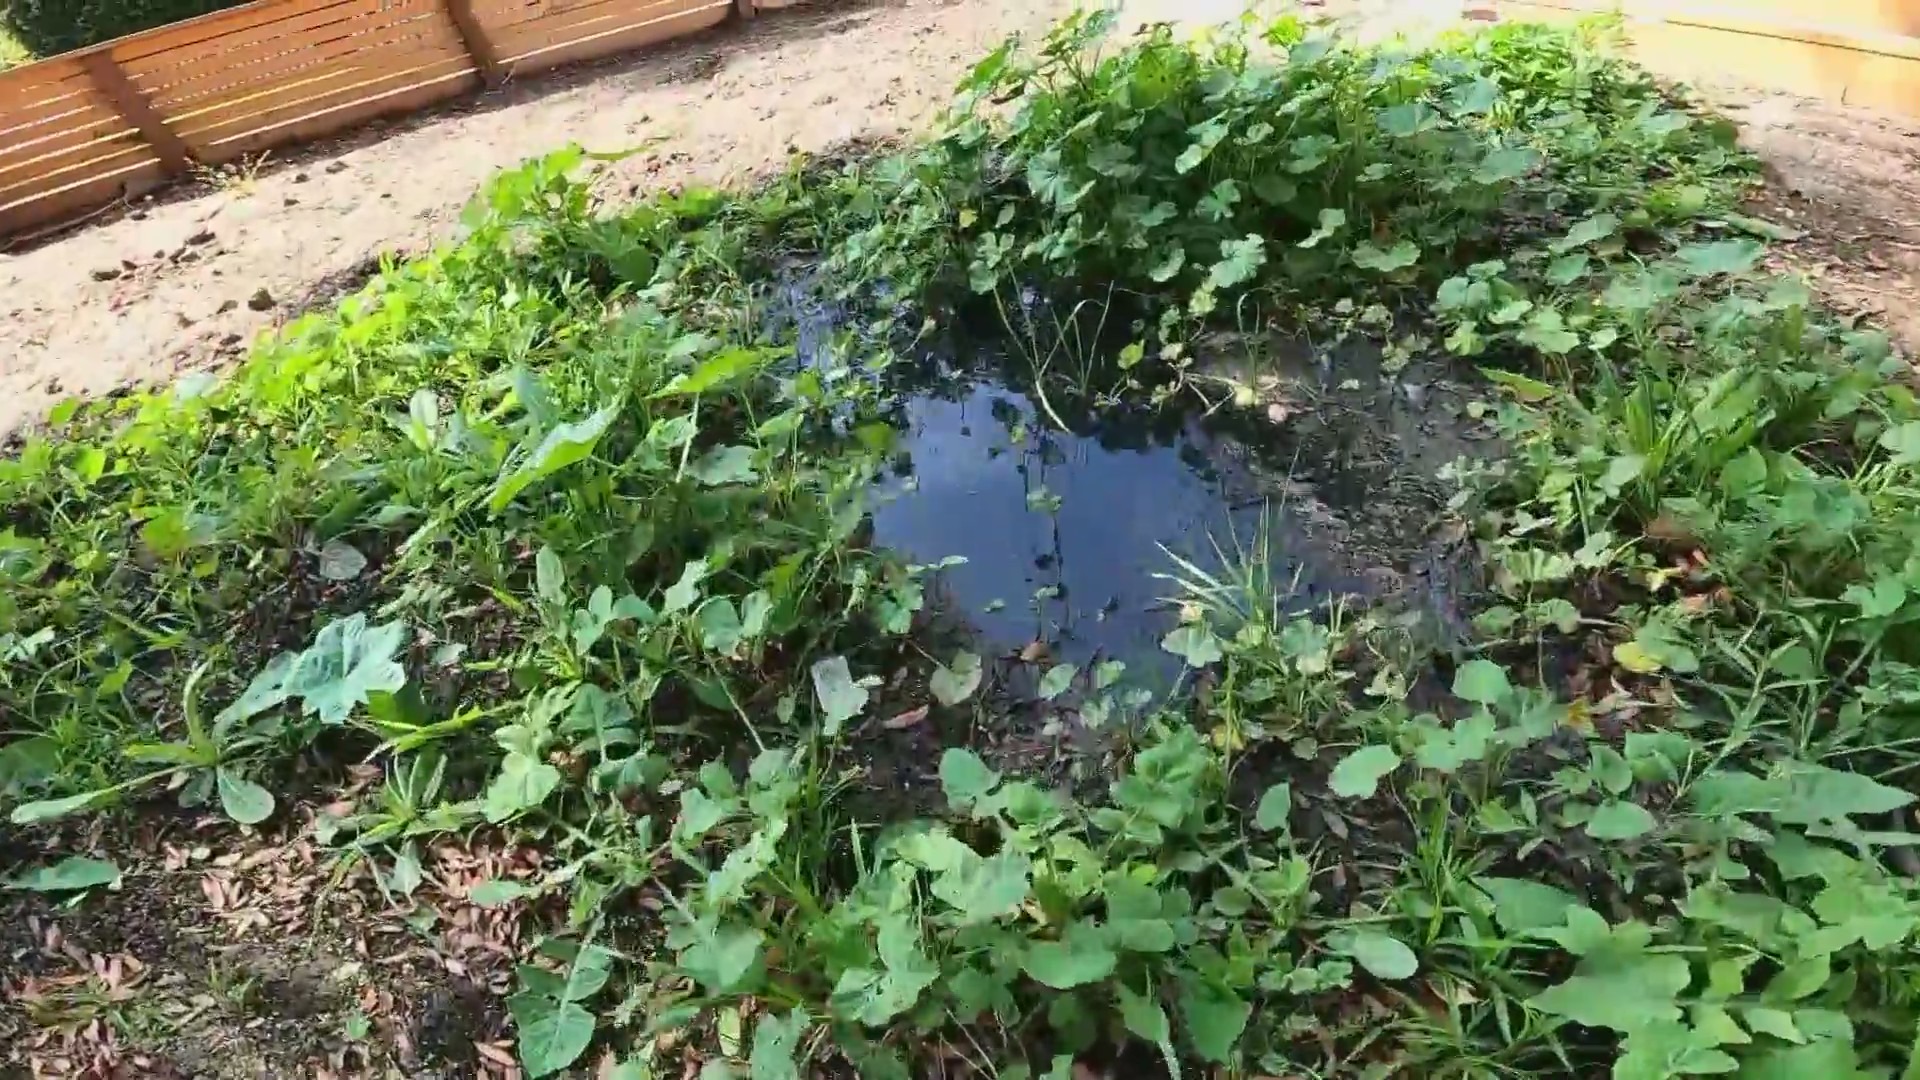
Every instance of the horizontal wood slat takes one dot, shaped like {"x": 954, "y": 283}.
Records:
{"x": 532, "y": 47}
{"x": 57, "y": 139}
{"x": 164, "y": 75}
{"x": 19, "y": 85}
{"x": 119, "y": 118}
{"x": 109, "y": 158}
{"x": 335, "y": 88}
{"x": 182, "y": 36}
{"x": 63, "y": 203}
{"x": 607, "y": 14}
{"x": 394, "y": 102}
{"x": 35, "y": 121}
{"x": 341, "y": 59}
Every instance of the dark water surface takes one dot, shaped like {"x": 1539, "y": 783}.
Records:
{"x": 1090, "y": 515}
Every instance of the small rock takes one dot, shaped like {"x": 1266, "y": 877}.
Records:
{"x": 337, "y": 167}
{"x": 230, "y": 341}
{"x": 289, "y": 201}
{"x": 300, "y": 178}
{"x": 106, "y": 273}
{"x": 226, "y": 306}
{"x": 261, "y": 300}
{"x": 138, "y": 215}
{"x": 204, "y": 236}
{"x": 129, "y": 265}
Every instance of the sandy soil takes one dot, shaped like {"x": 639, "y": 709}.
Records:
{"x": 177, "y": 285}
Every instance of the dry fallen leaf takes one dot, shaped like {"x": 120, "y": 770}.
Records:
{"x": 906, "y": 719}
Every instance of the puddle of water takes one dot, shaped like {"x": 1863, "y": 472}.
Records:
{"x": 1065, "y": 533}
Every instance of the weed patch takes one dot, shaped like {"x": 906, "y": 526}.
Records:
{"x": 577, "y": 534}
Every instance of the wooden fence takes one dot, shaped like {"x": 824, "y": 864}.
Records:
{"x": 80, "y": 130}
{"x": 1860, "y": 52}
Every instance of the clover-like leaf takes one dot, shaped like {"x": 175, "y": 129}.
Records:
{"x": 954, "y": 683}
{"x": 841, "y": 699}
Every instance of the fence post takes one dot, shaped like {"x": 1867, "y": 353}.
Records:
{"x": 474, "y": 37}
{"x": 137, "y": 109}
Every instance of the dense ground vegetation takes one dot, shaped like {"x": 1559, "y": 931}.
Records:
{"x": 554, "y": 528}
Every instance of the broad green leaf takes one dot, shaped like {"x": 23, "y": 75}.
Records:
{"x": 1903, "y": 442}
{"x": 1481, "y": 681}
{"x": 1143, "y": 1016}
{"x": 1398, "y": 257}
{"x": 1720, "y": 257}
{"x": 563, "y": 446}
{"x": 719, "y": 624}
{"x": 776, "y": 1041}
{"x": 955, "y": 683}
{"x": 1331, "y": 221}
{"x": 1410, "y": 118}
{"x": 1214, "y": 1020}
{"x": 1274, "y": 808}
{"x": 67, "y": 875}
{"x": 721, "y": 369}
{"x": 1239, "y": 261}
{"x": 1623, "y": 991}
{"x": 1620, "y": 820}
{"x": 721, "y": 957}
{"x": 553, "y": 1034}
{"x": 1508, "y": 163}
{"x": 341, "y": 561}
{"x": 841, "y": 699}
{"x": 49, "y": 809}
{"x": 1195, "y": 644}
{"x": 1056, "y": 680}
{"x": 1384, "y": 956}
{"x": 964, "y": 777}
{"x": 985, "y": 889}
{"x": 497, "y": 893}
{"x": 1358, "y": 774}
{"x": 521, "y": 784}
{"x": 1586, "y": 231}
{"x": 1521, "y": 905}
{"x": 347, "y": 661}
{"x": 1081, "y": 956}
{"x": 725, "y": 465}
{"x": 1169, "y": 266}
{"x": 244, "y": 801}
{"x": 683, "y": 593}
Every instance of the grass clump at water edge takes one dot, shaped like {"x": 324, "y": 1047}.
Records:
{"x": 554, "y": 528}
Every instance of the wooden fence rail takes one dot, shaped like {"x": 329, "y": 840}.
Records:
{"x": 80, "y": 130}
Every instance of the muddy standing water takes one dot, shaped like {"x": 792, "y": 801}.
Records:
{"x": 1070, "y": 534}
